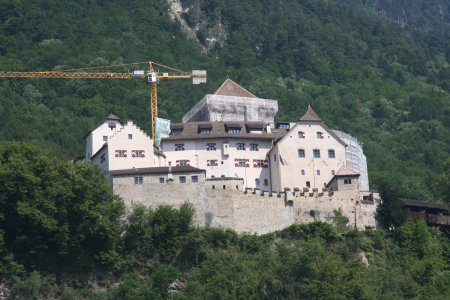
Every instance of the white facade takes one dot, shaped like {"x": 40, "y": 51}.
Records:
{"x": 226, "y": 157}
{"x": 100, "y": 135}
{"x": 127, "y": 148}
{"x": 309, "y": 155}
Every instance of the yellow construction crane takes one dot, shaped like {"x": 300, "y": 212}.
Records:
{"x": 152, "y": 75}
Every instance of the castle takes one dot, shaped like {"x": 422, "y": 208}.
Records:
{"x": 237, "y": 167}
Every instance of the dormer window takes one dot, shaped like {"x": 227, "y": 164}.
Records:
{"x": 301, "y": 135}
{"x": 205, "y": 128}
{"x": 205, "y": 131}
{"x": 255, "y": 127}
{"x": 284, "y": 126}
{"x": 234, "y": 130}
{"x": 176, "y": 131}
{"x": 255, "y": 130}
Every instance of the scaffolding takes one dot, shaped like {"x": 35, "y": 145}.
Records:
{"x": 355, "y": 158}
{"x": 232, "y": 108}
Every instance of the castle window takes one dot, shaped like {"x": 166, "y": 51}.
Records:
{"x": 103, "y": 158}
{"x": 301, "y": 135}
{"x": 179, "y": 147}
{"x": 347, "y": 181}
{"x": 138, "y": 180}
{"x": 254, "y": 147}
{"x": 212, "y": 163}
{"x": 194, "y": 178}
{"x": 318, "y": 172}
{"x": 161, "y": 180}
{"x": 105, "y": 138}
{"x": 274, "y": 157}
{"x": 211, "y": 147}
{"x": 138, "y": 153}
{"x": 241, "y": 162}
{"x": 333, "y": 173}
{"x": 331, "y": 153}
{"x": 121, "y": 153}
{"x": 130, "y": 136}
{"x": 301, "y": 152}
{"x": 224, "y": 187}
{"x": 182, "y": 179}
{"x": 256, "y": 182}
{"x": 319, "y": 135}
{"x": 308, "y": 184}
{"x": 316, "y": 153}
{"x": 266, "y": 182}
{"x": 302, "y": 172}
{"x": 205, "y": 131}
{"x": 183, "y": 162}
{"x": 112, "y": 126}
{"x": 260, "y": 163}
{"x": 240, "y": 146}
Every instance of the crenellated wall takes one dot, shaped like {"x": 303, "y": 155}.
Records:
{"x": 221, "y": 203}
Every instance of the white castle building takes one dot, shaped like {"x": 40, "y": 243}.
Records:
{"x": 230, "y": 141}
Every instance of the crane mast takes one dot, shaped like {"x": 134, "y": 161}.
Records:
{"x": 152, "y": 75}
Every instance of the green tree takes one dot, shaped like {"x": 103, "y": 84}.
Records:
{"x": 56, "y": 216}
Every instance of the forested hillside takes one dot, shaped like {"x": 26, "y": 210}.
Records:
{"x": 386, "y": 85}
{"x": 63, "y": 235}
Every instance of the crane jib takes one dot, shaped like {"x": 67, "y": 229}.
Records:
{"x": 64, "y": 75}
{"x": 151, "y": 75}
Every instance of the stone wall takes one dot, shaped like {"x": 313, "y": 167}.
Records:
{"x": 252, "y": 211}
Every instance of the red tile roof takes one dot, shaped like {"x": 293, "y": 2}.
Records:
{"x": 231, "y": 88}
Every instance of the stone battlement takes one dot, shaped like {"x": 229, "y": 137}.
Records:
{"x": 223, "y": 203}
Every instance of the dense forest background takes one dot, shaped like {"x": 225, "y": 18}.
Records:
{"x": 377, "y": 69}
{"x": 386, "y": 84}
{"x": 366, "y": 74}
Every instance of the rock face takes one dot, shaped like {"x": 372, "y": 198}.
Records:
{"x": 189, "y": 15}
{"x": 177, "y": 285}
{"x": 4, "y": 292}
